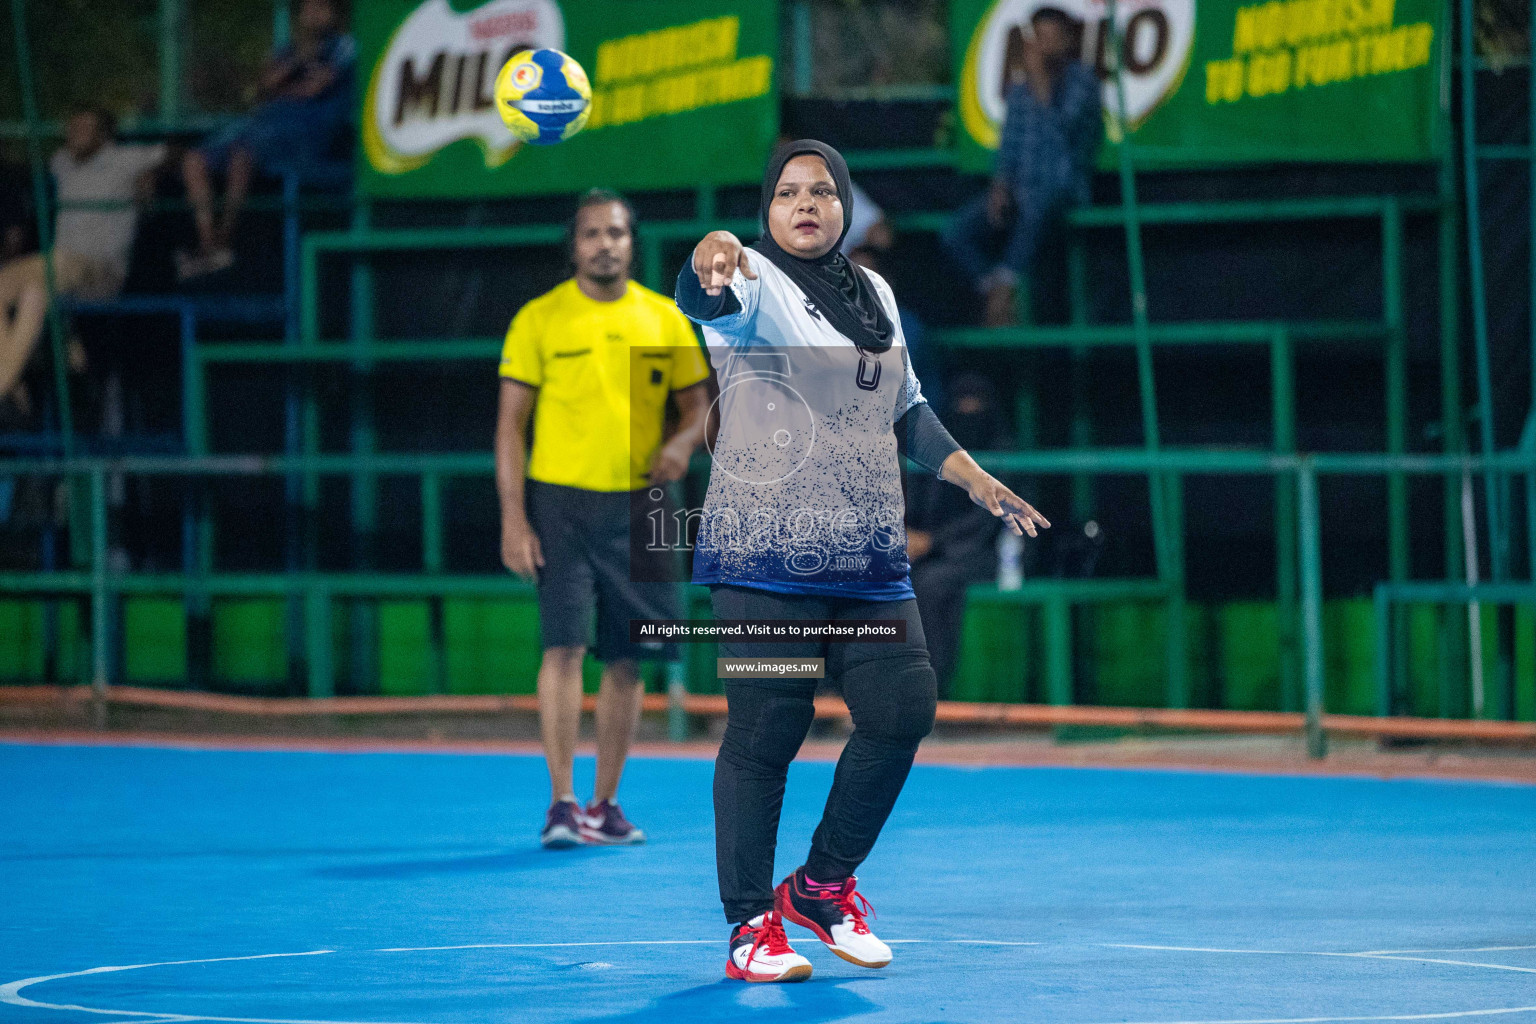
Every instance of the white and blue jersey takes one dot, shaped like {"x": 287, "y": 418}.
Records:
{"x": 805, "y": 492}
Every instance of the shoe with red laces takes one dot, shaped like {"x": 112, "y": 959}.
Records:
{"x": 604, "y": 824}
{"x": 836, "y": 913}
{"x": 760, "y": 951}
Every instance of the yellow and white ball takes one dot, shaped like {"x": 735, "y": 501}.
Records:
{"x": 543, "y": 96}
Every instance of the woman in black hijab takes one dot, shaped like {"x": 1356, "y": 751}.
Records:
{"x": 803, "y": 521}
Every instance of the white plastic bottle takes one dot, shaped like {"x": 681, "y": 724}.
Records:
{"x": 1010, "y": 560}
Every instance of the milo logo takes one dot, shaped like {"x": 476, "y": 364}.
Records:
{"x": 433, "y": 84}
{"x": 1156, "y": 38}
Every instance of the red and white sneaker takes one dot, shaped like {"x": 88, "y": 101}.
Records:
{"x": 760, "y": 951}
{"x": 836, "y": 914}
{"x": 604, "y": 824}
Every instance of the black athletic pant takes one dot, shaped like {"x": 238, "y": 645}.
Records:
{"x": 891, "y": 692}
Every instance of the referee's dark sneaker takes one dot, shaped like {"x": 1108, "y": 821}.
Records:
{"x": 562, "y": 825}
{"x": 604, "y": 824}
{"x": 836, "y": 913}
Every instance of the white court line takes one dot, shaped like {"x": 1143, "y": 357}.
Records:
{"x": 547, "y": 945}
{"x": 1211, "y": 949}
{"x": 11, "y": 992}
{"x": 1446, "y": 949}
{"x": 976, "y": 942}
{"x": 958, "y": 942}
{"x": 669, "y": 942}
{"x": 1368, "y": 955}
{"x": 1456, "y": 963}
{"x": 1326, "y": 1020}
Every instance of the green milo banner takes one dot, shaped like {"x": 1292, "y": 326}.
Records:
{"x": 682, "y": 92}
{"x": 1228, "y": 81}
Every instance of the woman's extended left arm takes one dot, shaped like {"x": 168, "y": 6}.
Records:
{"x": 922, "y": 438}
{"x": 989, "y": 492}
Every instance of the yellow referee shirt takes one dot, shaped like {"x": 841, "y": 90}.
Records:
{"x": 603, "y": 370}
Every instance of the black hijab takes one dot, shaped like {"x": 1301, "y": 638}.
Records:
{"x": 838, "y": 287}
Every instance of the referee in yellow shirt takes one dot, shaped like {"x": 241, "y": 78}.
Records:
{"x": 593, "y": 361}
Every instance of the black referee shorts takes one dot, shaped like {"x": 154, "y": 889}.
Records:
{"x": 585, "y": 537}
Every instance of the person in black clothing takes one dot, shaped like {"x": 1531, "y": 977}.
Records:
{"x": 951, "y": 543}
{"x": 817, "y": 396}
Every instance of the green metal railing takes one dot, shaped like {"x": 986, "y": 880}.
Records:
{"x": 1169, "y": 550}
{"x": 1496, "y": 496}
{"x": 1390, "y": 212}
{"x": 104, "y": 586}
{"x": 363, "y": 350}
{"x": 1386, "y": 596}
{"x": 1169, "y": 586}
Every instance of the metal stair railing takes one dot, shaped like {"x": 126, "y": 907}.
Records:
{"x": 105, "y": 586}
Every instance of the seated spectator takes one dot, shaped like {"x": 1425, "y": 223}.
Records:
{"x": 305, "y": 96}
{"x": 952, "y": 542}
{"x": 99, "y": 184}
{"x": 1044, "y": 163}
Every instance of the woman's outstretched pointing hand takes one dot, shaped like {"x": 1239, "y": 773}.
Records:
{"x": 716, "y": 260}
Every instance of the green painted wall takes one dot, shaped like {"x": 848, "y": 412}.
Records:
{"x": 23, "y": 640}
{"x": 248, "y": 645}
{"x": 158, "y": 633}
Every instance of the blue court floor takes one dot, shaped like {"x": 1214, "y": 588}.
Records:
{"x": 155, "y": 885}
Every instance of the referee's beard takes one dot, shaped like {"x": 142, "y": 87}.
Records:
{"x": 604, "y": 269}
{"x": 603, "y": 274}
{"x": 606, "y": 280}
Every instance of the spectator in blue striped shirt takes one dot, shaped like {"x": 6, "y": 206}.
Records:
{"x": 1044, "y": 161}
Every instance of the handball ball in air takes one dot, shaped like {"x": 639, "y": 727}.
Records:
{"x": 543, "y": 96}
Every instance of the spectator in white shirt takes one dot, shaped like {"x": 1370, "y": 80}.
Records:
{"x": 98, "y": 183}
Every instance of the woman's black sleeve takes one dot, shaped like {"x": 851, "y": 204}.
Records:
{"x": 695, "y": 302}
{"x": 922, "y": 438}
